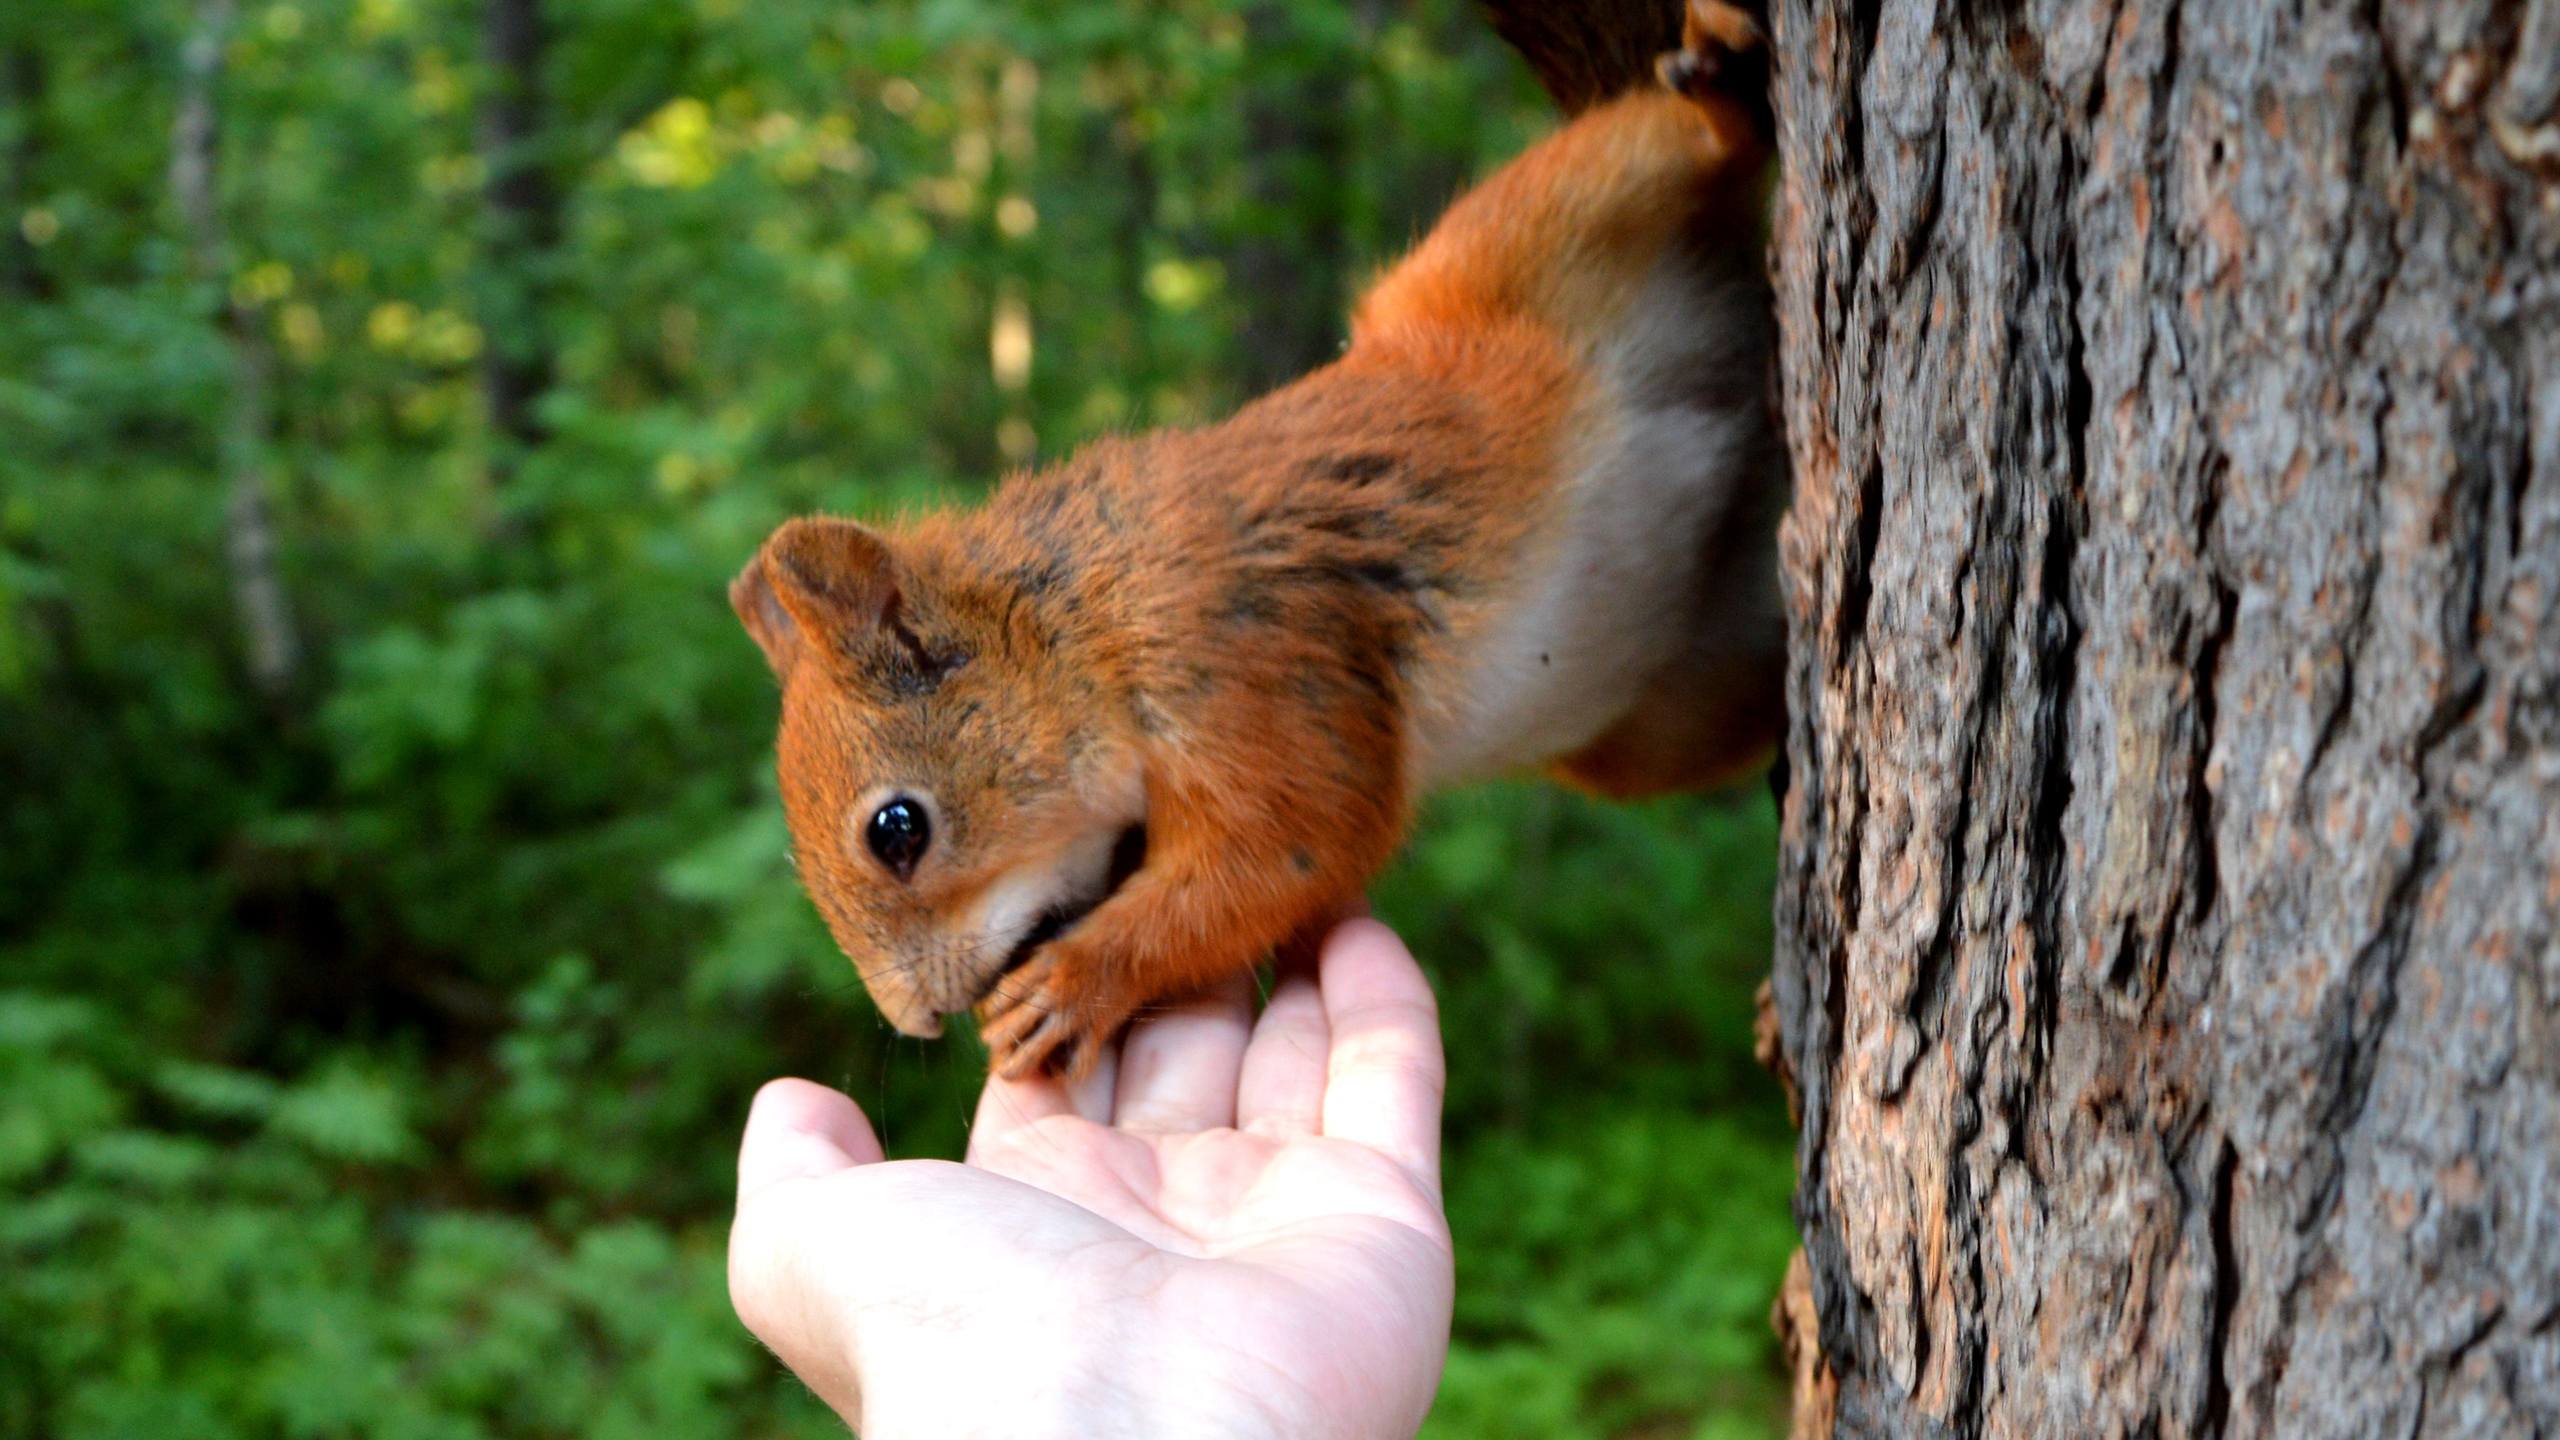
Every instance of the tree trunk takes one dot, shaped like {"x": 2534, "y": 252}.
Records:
{"x": 1296, "y": 141}
{"x": 521, "y": 229}
{"x": 2167, "y": 951}
{"x": 268, "y": 638}
{"x": 22, "y": 104}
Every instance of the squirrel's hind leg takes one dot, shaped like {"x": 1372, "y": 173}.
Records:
{"x": 1723, "y": 59}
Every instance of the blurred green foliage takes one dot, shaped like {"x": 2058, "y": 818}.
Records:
{"x": 371, "y": 1053}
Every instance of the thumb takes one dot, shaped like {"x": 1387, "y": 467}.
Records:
{"x": 795, "y": 1131}
{"x": 798, "y": 1130}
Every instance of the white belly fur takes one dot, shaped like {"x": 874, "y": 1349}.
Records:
{"x": 1655, "y": 468}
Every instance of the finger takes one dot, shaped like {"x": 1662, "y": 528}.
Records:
{"x": 1006, "y": 1106}
{"x": 1384, "y": 1078}
{"x": 1091, "y": 1094}
{"x": 1282, "y": 1089}
{"x": 1178, "y": 1069}
{"x": 797, "y": 1129}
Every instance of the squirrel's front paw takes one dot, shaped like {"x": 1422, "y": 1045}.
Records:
{"x": 1051, "y": 1015}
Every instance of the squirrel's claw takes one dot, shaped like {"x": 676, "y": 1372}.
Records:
{"x": 1029, "y": 1025}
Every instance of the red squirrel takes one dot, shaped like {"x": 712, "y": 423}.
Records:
{"x": 1162, "y": 708}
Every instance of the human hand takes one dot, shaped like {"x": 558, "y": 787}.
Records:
{"x": 1232, "y": 1228}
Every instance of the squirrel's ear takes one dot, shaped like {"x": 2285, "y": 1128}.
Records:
{"x": 815, "y": 578}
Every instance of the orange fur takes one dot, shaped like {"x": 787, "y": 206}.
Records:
{"x": 1240, "y": 642}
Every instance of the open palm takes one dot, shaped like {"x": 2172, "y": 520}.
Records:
{"x": 1234, "y": 1228}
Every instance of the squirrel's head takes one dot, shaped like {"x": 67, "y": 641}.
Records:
{"x": 955, "y": 795}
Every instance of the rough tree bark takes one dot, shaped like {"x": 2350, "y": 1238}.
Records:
{"x": 2167, "y": 948}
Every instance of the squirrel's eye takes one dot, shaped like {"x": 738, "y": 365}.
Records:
{"x": 898, "y": 834}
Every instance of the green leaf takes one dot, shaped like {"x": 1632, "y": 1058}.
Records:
{"x": 347, "y": 1112}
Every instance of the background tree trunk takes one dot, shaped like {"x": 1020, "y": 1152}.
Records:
{"x": 2167, "y": 955}
{"x": 522, "y": 229}
{"x": 1296, "y": 145}
{"x": 269, "y": 640}
{"x": 22, "y": 101}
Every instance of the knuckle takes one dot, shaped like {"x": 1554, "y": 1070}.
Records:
{"x": 1391, "y": 1057}
{"x": 1419, "y": 1010}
